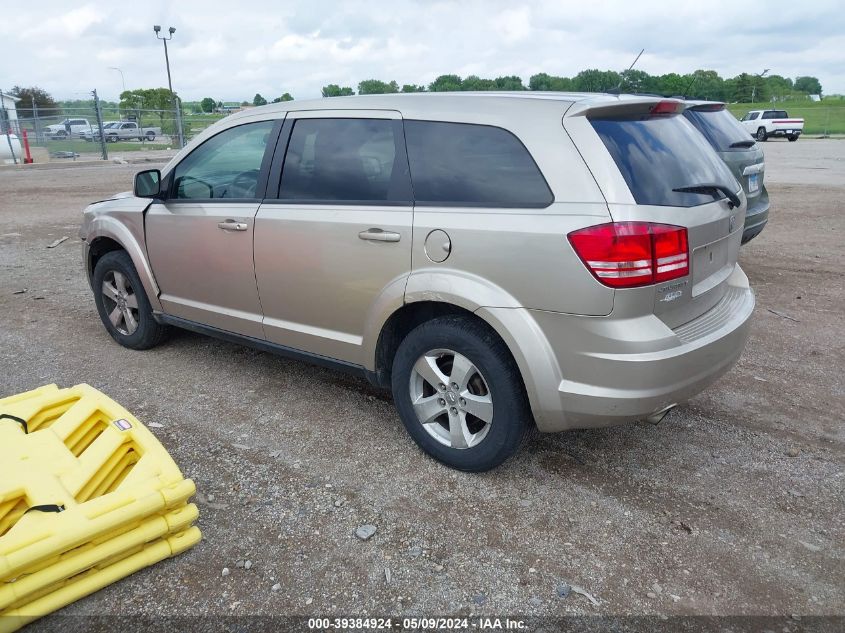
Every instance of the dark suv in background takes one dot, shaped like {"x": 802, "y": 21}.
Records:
{"x": 742, "y": 155}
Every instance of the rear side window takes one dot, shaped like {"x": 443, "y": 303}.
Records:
{"x": 458, "y": 164}
{"x": 659, "y": 154}
{"x": 719, "y": 127}
{"x": 345, "y": 160}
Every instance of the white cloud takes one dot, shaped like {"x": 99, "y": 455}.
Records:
{"x": 231, "y": 50}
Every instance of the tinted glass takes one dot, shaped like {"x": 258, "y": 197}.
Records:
{"x": 719, "y": 127}
{"x": 225, "y": 166}
{"x": 457, "y": 163}
{"x": 344, "y": 160}
{"x": 658, "y": 154}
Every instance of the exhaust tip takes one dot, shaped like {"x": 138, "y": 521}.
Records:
{"x": 657, "y": 417}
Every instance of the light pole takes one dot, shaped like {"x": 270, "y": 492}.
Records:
{"x": 754, "y": 87}
{"x": 164, "y": 39}
{"x": 122, "y": 80}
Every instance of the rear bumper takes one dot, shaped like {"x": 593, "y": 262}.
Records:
{"x": 785, "y": 133}
{"x": 615, "y": 370}
{"x": 756, "y": 217}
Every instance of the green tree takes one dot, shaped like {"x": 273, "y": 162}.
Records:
{"x": 412, "y": 88}
{"x": 474, "y": 82}
{"x": 333, "y": 90}
{"x": 377, "y": 87}
{"x": 285, "y": 97}
{"x": 511, "y": 82}
{"x": 595, "y": 80}
{"x": 44, "y": 103}
{"x": 258, "y": 100}
{"x": 445, "y": 83}
{"x": 810, "y": 85}
{"x": 207, "y": 104}
{"x": 546, "y": 82}
{"x": 147, "y": 102}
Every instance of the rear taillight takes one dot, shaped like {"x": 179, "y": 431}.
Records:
{"x": 666, "y": 107}
{"x": 629, "y": 254}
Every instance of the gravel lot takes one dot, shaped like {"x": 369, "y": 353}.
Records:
{"x": 733, "y": 505}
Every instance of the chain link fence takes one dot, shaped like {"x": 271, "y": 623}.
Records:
{"x": 74, "y": 133}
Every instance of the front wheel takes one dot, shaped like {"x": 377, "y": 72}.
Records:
{"x": 460, "y": 394}
{"x": 761, "y": 134}
{"x": 122, "y": 303}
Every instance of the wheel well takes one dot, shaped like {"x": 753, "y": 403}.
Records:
{"x": 99, "y": 247}
{"x": 400, "y": 324}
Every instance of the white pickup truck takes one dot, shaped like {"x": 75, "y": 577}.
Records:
{"x": 765, "y": 123}
{"x": 124, "y": 131}
{"x": 69, "y": 128}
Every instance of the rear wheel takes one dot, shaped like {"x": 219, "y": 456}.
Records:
{"x": 761, "y": 134}
{"x": 460, "y": 394}
{"x": 122, "y": 303}
{"x": 151, "y": 136}
{"x": 792, "y": 138}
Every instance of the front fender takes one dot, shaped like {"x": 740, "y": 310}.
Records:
{"x": 128, "y": 231}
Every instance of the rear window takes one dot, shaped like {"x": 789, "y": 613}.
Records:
{"x": 461, "y": 164}
{"x": 658, "y": 154}
{"x": 719, "y": 127}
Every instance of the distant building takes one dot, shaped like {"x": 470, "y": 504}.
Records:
{"x": 9, "y": 106}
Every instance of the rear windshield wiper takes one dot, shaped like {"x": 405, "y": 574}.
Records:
{"x": 748, "y": 143}
{"x": 714, "y": 190}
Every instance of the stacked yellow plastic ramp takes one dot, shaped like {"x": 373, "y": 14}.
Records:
{"x": 87, "y": 497}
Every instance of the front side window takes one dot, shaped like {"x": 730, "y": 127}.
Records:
{"x": 225, "y": 166}
{"x": 472, "y": 165}
{"x": 344, "y": 160}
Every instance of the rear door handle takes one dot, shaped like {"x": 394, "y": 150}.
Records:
{"x": 232, "y": 225}
{"x": 378, "y": 235}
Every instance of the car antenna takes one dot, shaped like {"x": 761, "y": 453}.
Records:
{"x": 689, "y": 85}
{"x": 618, "y": 88}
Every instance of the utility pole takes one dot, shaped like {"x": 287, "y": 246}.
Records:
{"x": 754, "y": 85}
{"x": 36, "y": 122}
{"x": 171, "y": 30}
{"x": 100, "y": 125}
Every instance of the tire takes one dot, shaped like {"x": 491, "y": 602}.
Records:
{"x": 450, "y": 344}
{"x": 146, "y": 333}
{"x": 792, "y": 138}
{"x": 761, "y": 134}
{"x": 151, "y": 136}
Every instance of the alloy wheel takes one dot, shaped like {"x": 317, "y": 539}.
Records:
{"x": 121, "y": 302}
{"x": 451, "y": 398}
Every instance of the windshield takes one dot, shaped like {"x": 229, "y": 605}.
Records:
{"x": 719, "y": 127}
{"x": 661, "y": 153}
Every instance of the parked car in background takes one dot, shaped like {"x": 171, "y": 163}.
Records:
{"x": 741, "y": 154}
{"x": 499, "y": 261}
{"x": 767, "y": 123}
{"x": 88, "y": 135}
{"x": 69, "y": 128}
{"x": 128, "y": 131}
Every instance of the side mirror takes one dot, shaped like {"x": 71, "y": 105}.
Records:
{"x": 147, "y": 183}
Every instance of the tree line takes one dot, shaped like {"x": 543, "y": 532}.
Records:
{"x": 701, "y": 84}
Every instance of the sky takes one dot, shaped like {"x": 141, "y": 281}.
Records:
{"x": 232, "y": 49}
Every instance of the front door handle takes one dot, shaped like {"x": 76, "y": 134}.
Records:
{"x": 232, "y": 225}
{"x": 378, "y": 235}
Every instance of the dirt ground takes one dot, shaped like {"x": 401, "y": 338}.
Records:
{"x": 733, "y": 505}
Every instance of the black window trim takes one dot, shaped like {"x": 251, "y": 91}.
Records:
{"x": 277, "y": 166}
{"x": 263, "y": 171}
{"x": 485, "y": 205}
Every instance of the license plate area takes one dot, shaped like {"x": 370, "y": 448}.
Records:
{"x": 710, "y": 265}
{"x": 753, "y": 183}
